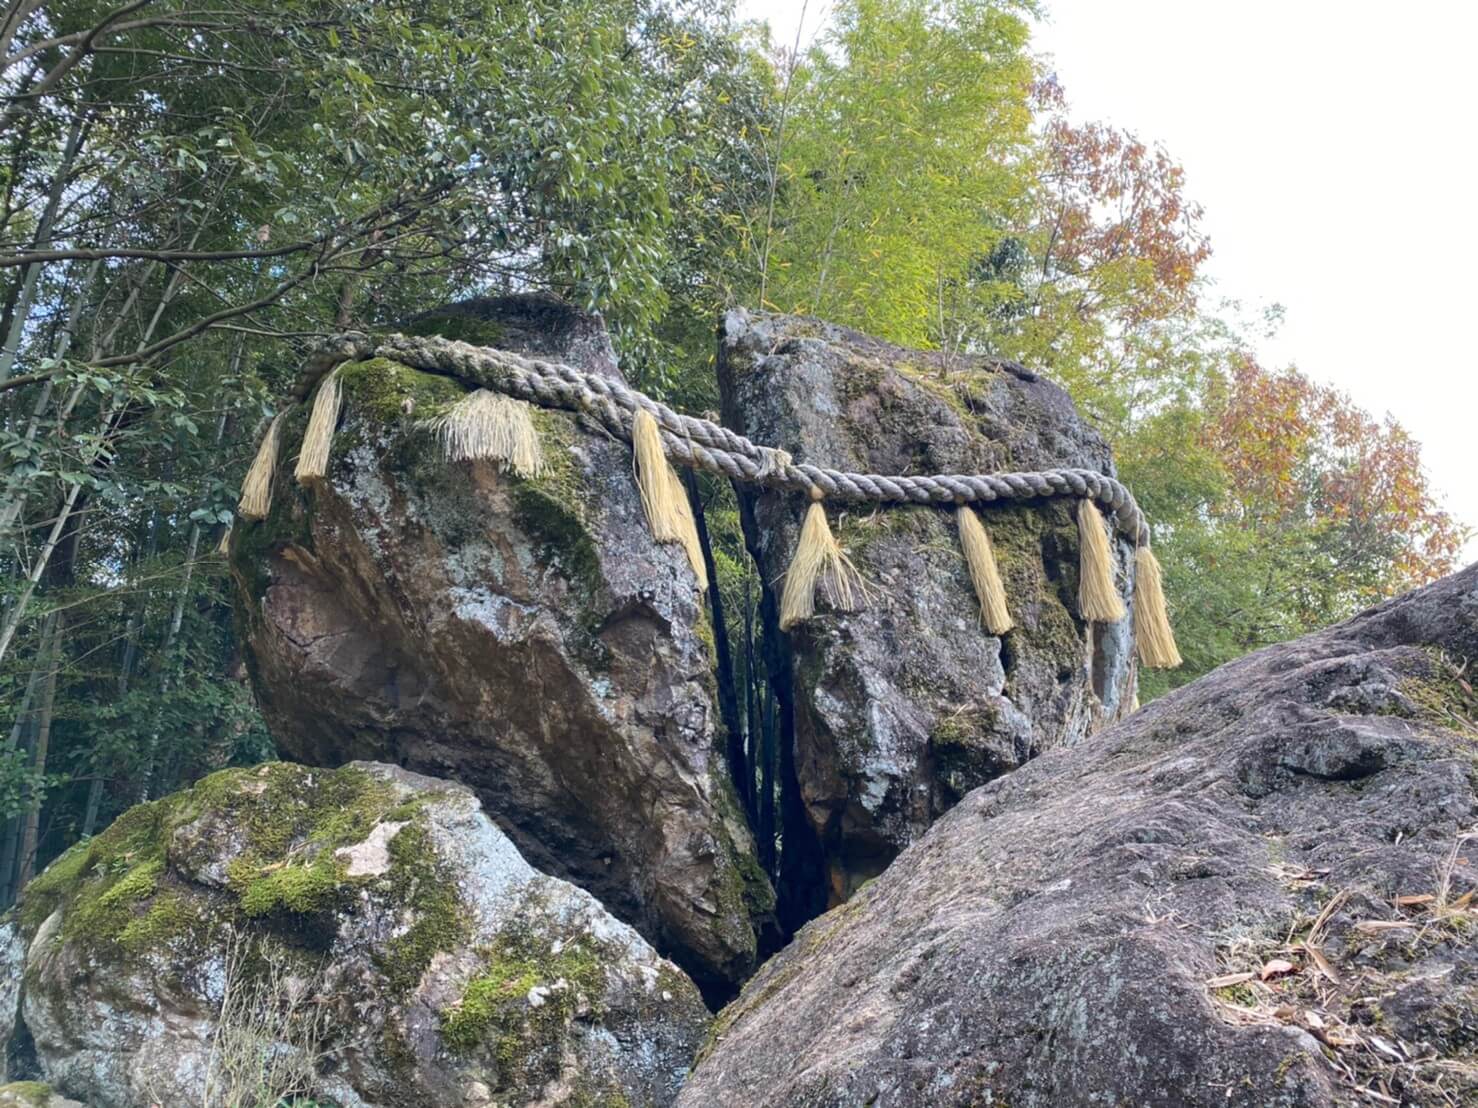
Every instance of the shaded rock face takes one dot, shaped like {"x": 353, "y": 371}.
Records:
{"x": 1105, "y": 924}
{"x": 526, "y": 638}
{"x": 901, "y": 708}
{"x": 385, "y": 936}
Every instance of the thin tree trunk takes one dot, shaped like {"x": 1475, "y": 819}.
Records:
{"x": 16, "y": 14}
{"x": 38, "y": 758}
{"x": 16, "y": 500}
{"x": 125, "y": 675}
{"x": 10, "y": 837}
{"x": 177, "y": 617}
{"x": 32, "y": 683}
{"x": 18, "y": 610}
{"x": 40, "y": 240}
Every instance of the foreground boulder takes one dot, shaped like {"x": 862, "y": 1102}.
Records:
{"x": 361, "y": 936}
{"x": 525, "y": 637}
{"x": 33, "y": 1094}
{"x": 902, "y": 707}
{"x": 1258, "y": 891}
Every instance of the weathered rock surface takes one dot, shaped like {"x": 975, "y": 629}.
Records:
{"x": 904, "y": 706}
{"x": 526, "y": 638}
{"x": 33, "y": 1094}
{"x": 371, "y": 923}
{"x": 1257, "y": 891}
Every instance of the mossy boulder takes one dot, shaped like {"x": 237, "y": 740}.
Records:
{"x": 902, "y": 707}
{"x": 389, "y": 937}
{"x": 525, "y": 637}
{"x": 33, "y": 1094}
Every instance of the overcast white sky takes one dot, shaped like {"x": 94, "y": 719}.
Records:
{"x": 1332, "y": 145}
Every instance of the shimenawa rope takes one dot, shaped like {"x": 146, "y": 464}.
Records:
{"x": 700, "y": 443}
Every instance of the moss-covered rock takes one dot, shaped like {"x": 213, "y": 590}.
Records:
{"x": 439, "y": 960}
{"x": 33, "y": 1094}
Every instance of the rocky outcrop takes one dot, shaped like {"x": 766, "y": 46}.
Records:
{"x": 526, "y": 638}
{"x": 1257, "y": 891}
{"x": 901, "y": 708}
{"x": 361, "y": 936}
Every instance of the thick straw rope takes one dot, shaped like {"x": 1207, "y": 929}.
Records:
{"x": 705, "y": 445}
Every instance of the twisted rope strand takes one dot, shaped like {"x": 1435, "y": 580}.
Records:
{"x": 700, "y": 443}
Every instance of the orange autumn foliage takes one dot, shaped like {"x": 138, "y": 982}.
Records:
{"x": 1296, "y": 453}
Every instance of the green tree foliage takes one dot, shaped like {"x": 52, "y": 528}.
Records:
{"x": 191, "y": 195}
{"x": 899, "y": 163}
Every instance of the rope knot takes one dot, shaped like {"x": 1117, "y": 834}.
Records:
{"x": 773, "y": 461}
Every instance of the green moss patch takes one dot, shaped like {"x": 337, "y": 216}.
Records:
{"x": 559, "y": 536}
{"x": 280, "y": 805}
{"x": 1027, "y": 539}
{"x": 1443, "y": 694}
{"x": 439, "y": 921}
{"x": 745, "y": 891}
{"x": 459, "y": 327}
{"x": 300, "y": 889}
{"x": 963, "y": 757}
{"x": 25, "y": 1094}
{"x": 102, "y": 880}
{"x": 284, "y": 823}
{"x": 518, "y": 1007}
{"x": 390, "y": 392}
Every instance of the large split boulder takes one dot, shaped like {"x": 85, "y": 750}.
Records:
{"x": 1258, "y": 891}
{"x": 525, "y": 637}
{"x": 360, "y": 936}
{"x": 903, "y": 706}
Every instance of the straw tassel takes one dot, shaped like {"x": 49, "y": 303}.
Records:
{"x": 818, "y": 560}
{"x": 984, "y": 574}
{"x": 1153, "y": 638}
{"x": 486, "y": 425}
{"x": 256, "y": 487}
{"x": 663, "y": 497}
{"x": 223, "y": 547}
{"x": 1097, "y": 597}
{"x": 319, "y": 437}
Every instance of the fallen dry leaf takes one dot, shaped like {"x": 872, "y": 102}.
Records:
{"x": 1321, "y": 963}
{"x": 1228, "y": 979}
{"x": 1322, "y": 920}
{"x": 1276, "y": 967}
{"x": 1373, "y": 925}
{"x": 1384, "y": 1047}
{"x": 1410, "y": 901}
